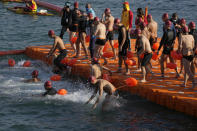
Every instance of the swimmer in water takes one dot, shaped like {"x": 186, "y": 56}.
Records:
{"x": 49, "y": 89}
{"x": 34, "y": 77}
{"x": 102, "y": 86}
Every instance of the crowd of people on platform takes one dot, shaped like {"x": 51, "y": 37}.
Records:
{"x": 100, "y": 30}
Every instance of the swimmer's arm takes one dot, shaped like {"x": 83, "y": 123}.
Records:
{"x": 53, "y": 48}
{"x": 94, "y": 94}
{"x": 96, "y": 31}
{"x": 180, "y": 44}
{"x": 107, "y": 69}
{"x": 44, "y": 94}
{"x": 100, "y": 95}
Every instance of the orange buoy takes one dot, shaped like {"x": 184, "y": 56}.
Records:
{"x": 129, "y": 54}
{"x": 105, "y": 47}
{"x": 156, "y": 46}
{"x": 27, "y": 64}
{"x": 108, "y": 54}
{"x": 55, "y": 78}
{"x": 116, "y": 45}
{"x": 72, "y": 62}
{"x": 64, "y": 61}
{"x": 87, "y": 38}
{"x": 131, "y": 82}
{"x": 62, "y": 92}
{"x": 106, "y": 77}
{"x": 74, "y": 39}
{"x": 173, "y": 54}
{"x": 130, "y": 62}
{"x": 155, "y": 56}
{"x": 11, "y": 62}
{"x": 171, "y": 65}
{"x": 142, "y": 56}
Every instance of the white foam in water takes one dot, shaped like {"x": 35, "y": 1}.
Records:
{"x": 12, "y": 78}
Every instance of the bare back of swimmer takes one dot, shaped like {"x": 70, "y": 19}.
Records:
{"x": 101, "y": 86}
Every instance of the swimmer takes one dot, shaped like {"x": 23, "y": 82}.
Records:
{"x": 146, "y": 50}
{"x": 89, "y": 10}
{"x": 102, "y": 86}
{"x": 152, "y": 28}
{"x": 58, "y": 44}
{"x": 49, "y": 89}
{"x": 99, "y": 35}
{"x": 97, "y": 69}
{"x": 34, "y": 77}
{"x": 167, "y": 42}
{"x": 123, "y": 41}
{"x": 186, "y": 48}
{"x": 108, "y": 20}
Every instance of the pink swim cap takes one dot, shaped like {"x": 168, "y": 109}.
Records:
{"x": 51, "y": 32}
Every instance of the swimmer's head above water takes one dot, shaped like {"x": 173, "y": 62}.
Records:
{"x": 47, "y": 85}
{"x": 51, "y": 33}
{"x": 34, "y": 74}
{"x": 92, "y": 80}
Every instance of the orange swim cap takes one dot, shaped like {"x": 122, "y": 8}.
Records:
{"x": 126, "y": 3}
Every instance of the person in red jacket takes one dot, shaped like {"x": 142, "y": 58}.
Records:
{"x": 127, "y": 19}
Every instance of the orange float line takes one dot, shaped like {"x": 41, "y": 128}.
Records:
{"x": 165, "y": 92}
{"x": 11, "y": 52}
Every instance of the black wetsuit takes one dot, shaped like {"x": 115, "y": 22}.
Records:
{"x": 50, "y": 91}
{"x": 92, "y": 40}
{"x": 125, "y": 46}
{"x": 82, "y": 24}
{"x": 110, "y": 35}
{"x": 75, "y": 21}
{"x": 167, "y": 42}
{"x": 66, "y": 21}
{"x": 57, "y": 61}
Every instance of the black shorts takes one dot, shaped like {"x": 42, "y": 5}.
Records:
{"x": 146, "y": 59}
{"x": 167, "y": 50}
{"x": 61, "y": 56}
{"x": 73, "y": 28}
{"x": 189, "y": 58}
{"x": 100, "y": 42}
{"x": 110, "y": 36}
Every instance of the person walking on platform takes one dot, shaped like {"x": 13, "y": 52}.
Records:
{"x": 127, "y": 19}
{"x": 108, "y": 20}
{"x": 186, "y": 48}
{"x": 123, "y": 41}
{"x": 167, "y": 42}
{"x": 147, "y": 52}
{"x": 66, "y": 18}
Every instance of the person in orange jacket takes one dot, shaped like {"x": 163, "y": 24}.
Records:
{"x": 127, "y": 19}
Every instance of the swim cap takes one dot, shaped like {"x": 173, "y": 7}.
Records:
{"x": 126, "y": 3}
{"x": 185, "y": 29}
{"x": 137, "y": 31}
{"x": 149, "y": 16}
{"x": 48, "y": 84}
{"x": 96, "y": 19}
{"x": 168, "y": 23}
{"x": 35, "y": 73}
{"x": 67, "y": 4}
{"x": 183, "y": 21}
{"x": 165, "y": 16}
{"x": 192, "y": 25}
{"x": 107, "y": 10}
{"x": 90, "y": 15}
{"x": 76, "y": 4}
{"x": 117, "y": 21}
{"x": 51, "y": 32}
{"x": 92, "y": 78}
